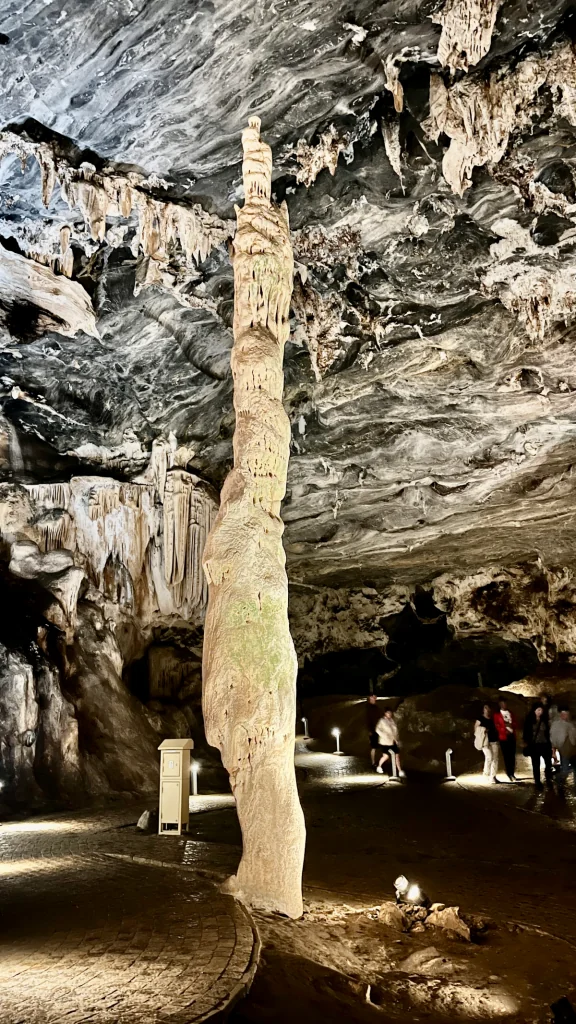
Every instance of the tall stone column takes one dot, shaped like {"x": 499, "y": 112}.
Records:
{"x": 249, "y": 665}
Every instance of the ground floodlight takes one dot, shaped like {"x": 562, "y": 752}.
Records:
{"x": 194, "y": 769}
{"x": 410, "y": 892}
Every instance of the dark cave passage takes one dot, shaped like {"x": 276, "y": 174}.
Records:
{"x": 422, "y": 654}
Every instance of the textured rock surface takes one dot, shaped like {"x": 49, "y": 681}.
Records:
{"x": 426, "y": 155}
{"x": 104, "y": 598}
{"x": 431, "y": 404}
{"x": 249, "y": 661}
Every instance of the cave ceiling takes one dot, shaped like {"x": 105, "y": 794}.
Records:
{"x": 427, "y": 154}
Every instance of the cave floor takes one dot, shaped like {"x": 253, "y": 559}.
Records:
{"x": 88, "y": 933}
{"x": 101, "y": 923}
{"x": 499, "y": 851}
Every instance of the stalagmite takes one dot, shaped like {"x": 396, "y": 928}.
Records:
{"x": 249, "y": 663}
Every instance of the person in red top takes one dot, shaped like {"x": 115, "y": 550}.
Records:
{"x": 506, "y": 726}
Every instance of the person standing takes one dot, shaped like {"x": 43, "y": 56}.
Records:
{"x": 388, "y": 741}
{"x": 486, "y": 740}
{"x": 373, "y": 716}
{"x": 563, "y": 738}
{"x": 537, "y": 744}
{"x": 506, "y": 726}
{"x": 550, "y": 709}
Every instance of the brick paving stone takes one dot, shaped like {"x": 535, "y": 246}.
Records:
{"x": 94, "y": 931}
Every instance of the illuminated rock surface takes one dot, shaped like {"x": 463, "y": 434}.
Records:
{"x": 249, "y": 663}
{"x": 426, "y": 156}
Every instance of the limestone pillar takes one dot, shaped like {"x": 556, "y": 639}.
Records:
{"x": 249, "y": 668}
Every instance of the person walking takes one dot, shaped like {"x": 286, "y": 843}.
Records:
{"x": 563, "y": 738}
{"x": 373, "y": 716}
{"x": 486, "y": 740}
{"x": 388, "y": 741}
{"x": 537, "y": 744}
{"x": 506, "y": 727}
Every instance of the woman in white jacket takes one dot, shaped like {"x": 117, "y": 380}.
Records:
{"x": 387, "y": 732}
{"x": 486, "y": 740}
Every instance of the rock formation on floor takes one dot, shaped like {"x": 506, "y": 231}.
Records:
{"x": 426, "y": 156}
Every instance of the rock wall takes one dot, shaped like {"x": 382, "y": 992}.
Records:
{"x": 112, "y": 573}
{"x": 101, "y": 637}
{"x": 530, "y": 601}
{"x": 325, "y": 619}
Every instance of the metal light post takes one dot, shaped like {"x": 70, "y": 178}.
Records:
{"x": 394, "y": 777}
{"x": 336, "y": 733}
{"x": 194, "y": 770}
{"x": 449, "y": 776}
{"x": 306, "y": 733}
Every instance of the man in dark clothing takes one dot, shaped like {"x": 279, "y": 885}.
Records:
{"x": 506, "y": 726}
{"x": 373, "y": 715}
{"x": 537, "y": 744}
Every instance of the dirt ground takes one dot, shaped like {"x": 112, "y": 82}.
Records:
{"x": 499, "y": 852}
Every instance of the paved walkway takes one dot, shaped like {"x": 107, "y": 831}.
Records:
{"x": 96, "y": 927}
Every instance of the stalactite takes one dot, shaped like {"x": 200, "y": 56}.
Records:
{"x": 103, "y": 521}
{"x": 539, "y": 296}
{"x": 392, "y": 82}
{"x": 313, "y": 159}
{"x": 249, "y": 664}
{"x": 176, "y": 523}
{"x": 322, "y": 325}
{"x": 50, "y": 495}
{"x": 467, "y": 27}
{"x": 478, "y": 116}
{"x": 391, "y": 136}
{"x": 66, "y": 257}
{"x": 100, "y": 195}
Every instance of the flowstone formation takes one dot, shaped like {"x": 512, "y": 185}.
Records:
{"x": 249, "y": 663}
{"x": 102, "y": 584}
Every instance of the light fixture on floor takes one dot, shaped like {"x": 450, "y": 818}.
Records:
{"x": 336, "y": 733}
{"x": 410, "y": 892}
{"x": 194, "y": 769}
{"x": 395, "y": 776}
